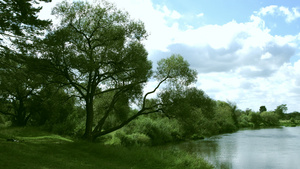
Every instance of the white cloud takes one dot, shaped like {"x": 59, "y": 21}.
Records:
{"x": 200, "y": 15}
{"x": 168, "y": 13}
{"x": 290, "y": 14}
{"x": 175, "y": 15}
{"x": 267, "y": 55}
{"x": 268, "y": 10}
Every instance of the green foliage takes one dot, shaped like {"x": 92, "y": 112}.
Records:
{"x": 244, "y": 120}
{"x": 18, "y": 24}
{"x": 281, "y": 110}
{"x": 177, "y": 70}
{"x": 160, "y": 130}
{"x": 96, "y": 50}
{"x": 255, "y": 119}
{"x": 134, "y": 139}
{"x": 224, "y": 118}
{"x": 19, "y": 18}
{"x": 2, "y": 121}
{"x": 191, "y": 107}
{"x": 295, "y": 115}
{"x": 17, "y": 87}
{"x": 118, "y": 113}
{"x": 269, "y": 118}
{"x": 262, "y": 109}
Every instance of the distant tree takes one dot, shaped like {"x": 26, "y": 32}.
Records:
{"x": 235, "y": 112}
{"x": 262, "y": 109}
{"x": 269, "y": 118}
{"x": 281, "y": 110}
{"x": 255, "y": 118}
{"x": 224, "y": 117}
{"x": 98, "y": 50}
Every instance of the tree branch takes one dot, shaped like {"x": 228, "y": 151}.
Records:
{"x": 153, "y": 91}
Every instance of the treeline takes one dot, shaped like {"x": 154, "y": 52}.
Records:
{"x": 190, "y": 114}
{"x": 203, "y": 118}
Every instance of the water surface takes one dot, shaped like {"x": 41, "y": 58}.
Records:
{"x": 274, "y": 148}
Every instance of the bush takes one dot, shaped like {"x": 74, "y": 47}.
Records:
{"x": 244, "y": 120}
{"x": 224, "y": 118}
{"x": 269, "y": 119}
{"x": 135, "y": 139}
{"x": 160, "y": 130}
{"x": 255, "y": 119}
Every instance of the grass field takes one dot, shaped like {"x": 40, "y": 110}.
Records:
{"x": 34, "y": 149}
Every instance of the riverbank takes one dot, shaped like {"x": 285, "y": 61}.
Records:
{"x": 31, "y": 148}
{"x": 289, "y": 123}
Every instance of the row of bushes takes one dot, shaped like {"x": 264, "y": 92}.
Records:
{"x": 156, "y": 130}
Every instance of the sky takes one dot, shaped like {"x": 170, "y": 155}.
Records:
{"x": 245, "y": 51}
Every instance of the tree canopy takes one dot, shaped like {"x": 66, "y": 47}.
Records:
{"x": 97, "y": 50}
{"x": 19, "y": 19}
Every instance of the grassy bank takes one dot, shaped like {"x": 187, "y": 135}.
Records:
{"x": 289, "y": 123}
{"x": 30, "y": 148}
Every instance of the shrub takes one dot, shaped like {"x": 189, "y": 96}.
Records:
{"x": 244, "y": 120}
{"x": 160, "y": 130}
{"x": 135, "y": 139}
{"x": 224, "y": 118}
{"x": 269, "y": 118}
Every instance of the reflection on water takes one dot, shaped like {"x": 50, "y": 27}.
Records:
{"x": 275, "y": 148}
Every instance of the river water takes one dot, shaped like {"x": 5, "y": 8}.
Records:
{"x": 273, "y": 148}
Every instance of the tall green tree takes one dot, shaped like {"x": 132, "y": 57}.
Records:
{"x": 281, "y": 110}
{"x": 262, "y": 109}
{"x": 98, "y": 50}
{"x": 17, "y": 86}
{"x": 18, "y": 25}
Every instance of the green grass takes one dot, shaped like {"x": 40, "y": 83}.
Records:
{"x": 41, "y": 150}
{"x": 288, "y": 123}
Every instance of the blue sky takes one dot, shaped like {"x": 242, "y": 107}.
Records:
{"x": 245, "y": 51}
{"x": 221, "y": 12}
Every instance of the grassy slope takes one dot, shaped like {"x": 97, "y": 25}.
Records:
{"x": 42, "y": 150}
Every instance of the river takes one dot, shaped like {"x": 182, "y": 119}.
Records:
{"x": 272, "y": 148}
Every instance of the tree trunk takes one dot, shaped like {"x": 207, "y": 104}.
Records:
{"x": 20, "y": 118}
{"x": 89, "y": 120}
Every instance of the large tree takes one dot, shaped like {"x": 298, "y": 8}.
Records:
{"x": 18, "y": 25}
{"x": 16, "y": 88}
{"x": 98, "y": 50}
